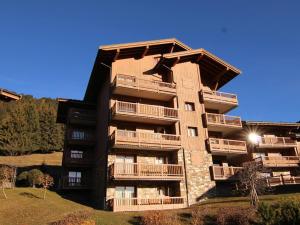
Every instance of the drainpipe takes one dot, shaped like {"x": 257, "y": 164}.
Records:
{"x": 185, "y": 178}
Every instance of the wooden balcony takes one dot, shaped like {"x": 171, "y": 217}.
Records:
{"x": 145, "y": 140}
{"x": 219, "y": 146}
{"x": 225, "y": 172}
{"x": 276, "y": 142}
{"x": 85, "y": 137}
{"x": 142, "y": 204}
{"x": 75, "y": 183}
{"x": 219, "y": 100}
{"x": 283, "y": 180}
{"x": 137, "y": 87}
{"x": 136, "y": 112}
{"x": 279, "y": 161}
{"x": 222, "y": 123}
{"x": 142, "y": 171}
{"x": 82, "y": 117}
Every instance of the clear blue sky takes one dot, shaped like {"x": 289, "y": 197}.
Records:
{"x": 48, "y": 47}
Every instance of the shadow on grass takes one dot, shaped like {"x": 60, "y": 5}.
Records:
{"x": 136, "y": 220}
{"x": 29, "y": 195}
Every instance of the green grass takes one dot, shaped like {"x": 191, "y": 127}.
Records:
{"x": 25, "y": 206}
{"x": 53, "y": 159}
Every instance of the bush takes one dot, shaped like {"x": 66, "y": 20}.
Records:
{"x": 285, "y": 213}
{"x": 198, "y": 216}
{"x": 32, "y": 177}
{"x": 79, "y": 218}
{"x": 159, "y": 218}
{"x": 234, "y": 216}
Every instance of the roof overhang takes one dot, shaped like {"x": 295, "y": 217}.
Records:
{"x": 215, "y": 72}
{"x": 271, "y": 124}
{"x": 110, "y": 53}
{"x": 7, "y": 95}
{"x": 65, "y": 104}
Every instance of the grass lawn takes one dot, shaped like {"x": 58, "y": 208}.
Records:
{"x": 53, "y": 159}
{"x": 25, "y": 206}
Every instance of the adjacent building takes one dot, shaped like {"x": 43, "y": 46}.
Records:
{"x": 7, "y": 96}
{"x": 153, "y": 130}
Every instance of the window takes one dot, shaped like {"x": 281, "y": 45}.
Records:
{"x": 78, "y": 135}
{"x": 192, "y": 132}
{"x": 124, "y": 192}
{"x": 189, "y": 106}
{"x": 74, "y": 178}
{"x": 76, "y": 154}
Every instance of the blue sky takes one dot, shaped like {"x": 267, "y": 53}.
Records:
{"x": 47, "y": 48}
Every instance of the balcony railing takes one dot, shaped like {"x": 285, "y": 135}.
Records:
{"x": 75, "y": 183}
{"x": 219, "y": 100}
{"x": 143, "y": 87}
{"x": 142, "y": 171}
{"x": 213, "y": 119}
{"x": 141, "y": 204}
{"x": 283, "y": 180}
{"x": 279, "y": 161}
{"x": 226, "y": 146}
{"x": 82, "y": 116}
{"x": 276, "y": 142}
{"x": 144, "y": 112}
{"x": 225, "y": 172}
{"x": 145, "y": 140}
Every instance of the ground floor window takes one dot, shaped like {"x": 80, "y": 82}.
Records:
{"x": 74, "y": 178}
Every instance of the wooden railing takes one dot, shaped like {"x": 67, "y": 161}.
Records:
{"x": 141, "y": 204}
{"x": 138, "y": 109}
{"x": 209, "y": 95}
{"x": 283, "y": 180}
{"x": 277, "y": 142}
{"x": 279, "y": 161}
{"x": 82, "y": 116}
{"x": 138, "y": 83}
{"x": 145, "y": 139}
{"x": 227, "y": 146}
{"x": 224, "y": 120}
{"x": 225, "y": 172}
{"x": 145, "y": 171}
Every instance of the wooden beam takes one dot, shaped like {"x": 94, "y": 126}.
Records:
{"x": 145, "y": 51}
{"x": 172, "y": 48}
{"x": 200, "y": 57}
{"x": 217, "y": 79}
{"x": 116, "y": 55}
{"x": 176, "y": 61}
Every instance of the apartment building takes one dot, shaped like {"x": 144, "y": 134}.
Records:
{"x": 152, "y": 131}
{"x": 276, "y": 146}
{"x": 7, "y": 96}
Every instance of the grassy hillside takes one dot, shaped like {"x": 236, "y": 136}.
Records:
{"x": 24, "y": 206}
{"x": 53, "y": 159}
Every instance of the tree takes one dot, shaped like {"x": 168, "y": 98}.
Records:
{"x": 29, "y": 125}
{"x": 35, "y": 177}
{"x": 47, "y": 182}
{"x": 6, "y": 175}
{"x": 252, "y": 181}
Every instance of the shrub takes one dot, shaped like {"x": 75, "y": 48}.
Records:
{"x": 32, "y": 177}
{"x": 234, "y": 216}
{"x": 159, "y": 218}
{"x": 79, "y": 218}
{"x": 286, "y": 213}
{"x": 198, "y": 216}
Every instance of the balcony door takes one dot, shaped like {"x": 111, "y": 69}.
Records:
{"x": 126, "y": 192}
{"x": 125, "y": 164}
{"x": 74, "y": 178}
